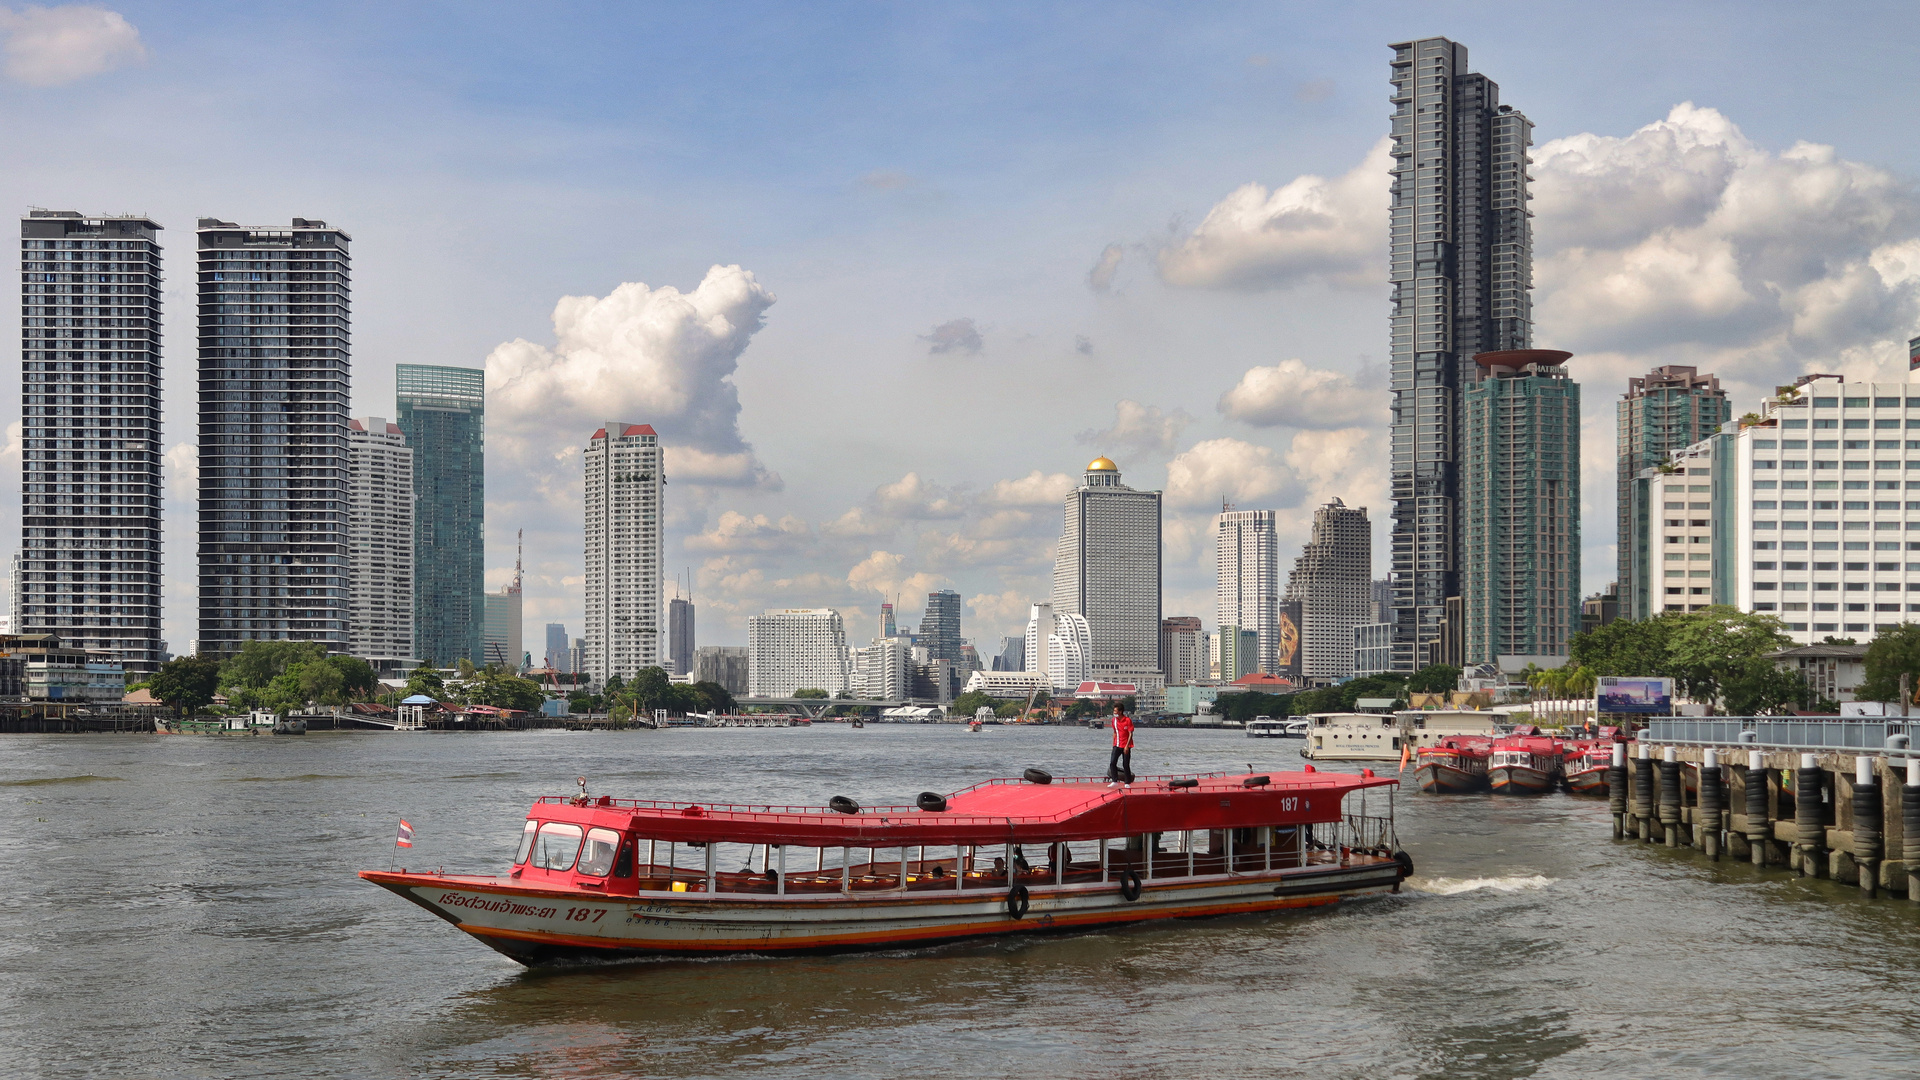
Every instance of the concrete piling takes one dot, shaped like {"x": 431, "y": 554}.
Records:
{"x": 1759, "y": 805}
{"x": 1617, "y": 790}
{"x": 1809, "y": 818}
{"x": 1910, "y": 828}
{"x": 1670, "y": 797}
{"x": 1866, "y": 825}
{"x": 1707, "y": 821}
{"x": 1643, "y": 792}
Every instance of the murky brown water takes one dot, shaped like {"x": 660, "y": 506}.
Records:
{"x": 184, "y": 906}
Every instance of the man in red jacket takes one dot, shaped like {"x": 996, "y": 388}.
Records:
{"x": 1120, "y": 764}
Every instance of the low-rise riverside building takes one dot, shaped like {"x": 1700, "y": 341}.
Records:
{"x": 50, "y": 671}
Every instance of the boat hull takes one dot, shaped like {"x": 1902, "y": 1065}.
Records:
{"x": 1588, "y": 781}
{"x": 1437, "y": 779}
{"x": 535, "y": 926}
{"x": 1519, "y": 780}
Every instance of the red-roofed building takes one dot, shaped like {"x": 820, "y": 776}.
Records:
{"x": 1106, "y": 691}
{"x": 1263, "y": 682}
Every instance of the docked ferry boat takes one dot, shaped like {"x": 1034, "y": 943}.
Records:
{"x": 1526, "y": 764}
{"x": 605, "y": 877}
{"x": 1586, "y": 764}
{"x": 1458, "y": 766}
{"x": 1352, "y": 737}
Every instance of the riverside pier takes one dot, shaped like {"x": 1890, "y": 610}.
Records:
{"x": 1835, "y": 799}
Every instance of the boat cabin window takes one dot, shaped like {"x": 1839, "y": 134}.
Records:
{"x": 526, "y": 842}
{"x": 597, "y": 858}
{"x": 557, "y": 845}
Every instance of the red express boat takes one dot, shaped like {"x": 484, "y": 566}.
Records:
{"x": 605, "y": 877}
{"x": 1526, "y": 764}
{"x": 1458, "y": 766}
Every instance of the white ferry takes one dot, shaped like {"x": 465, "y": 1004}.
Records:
{"x": 1431, "y": 727}
{"x": 1352, "y": 737}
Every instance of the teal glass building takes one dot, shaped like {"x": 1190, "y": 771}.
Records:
{"x": 442, "y": 412}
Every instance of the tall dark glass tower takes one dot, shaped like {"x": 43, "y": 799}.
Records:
{"x": 442, "y": 411}
{"x": 274, "y": 369}
{"x": 90, "y": 420}
{"x": 1462, "y": 271}
{"x": 940, "y": 625}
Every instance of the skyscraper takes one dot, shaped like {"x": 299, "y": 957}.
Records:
{"x": 1522, "y": 484}
{"x": 679, "y": 636}
{"x": 1332, "y": 581}
{"x": 274, "y": 379}
{"x": 1462, "y": 270}
{"x": 796, "y": 649}
{"x": 1108, "y": 569}
{"x": 940, "y": 625}
{"x": 503, "y": 640}
{"x": 1663, "y": 411}
{"x": 886, "y": 620}
{"x": 380, "y": 541}
{"x": 1183, "y": 650}
{"x": 625, "y": 481}
{"x": 1059, "y": 645}
{"x": 1246, "y": 578}
{"x": 557, "y": 652}
{"x": 442, "y": 413}
{"x": 89, "y": 565}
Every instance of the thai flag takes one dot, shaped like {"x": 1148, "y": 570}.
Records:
{"x": 406, "y": 835}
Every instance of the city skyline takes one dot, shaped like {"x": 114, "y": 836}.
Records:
{"x": 1656, "y": 173}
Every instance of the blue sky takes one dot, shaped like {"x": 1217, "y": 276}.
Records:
{"x": 881, "y": 171}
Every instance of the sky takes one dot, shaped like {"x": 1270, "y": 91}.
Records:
{"x": 885, "y": 276}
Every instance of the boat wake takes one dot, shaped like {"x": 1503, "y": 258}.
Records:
{"x": 1455, "y": 886}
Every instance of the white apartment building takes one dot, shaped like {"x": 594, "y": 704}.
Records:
{"x": 1188, "y": 656}
{"x": 1247, "y": 579}
{"x": 883, "y": 671}
{"x": 796, "y": 649}
{"x": 379, "y": 542}
{"x": 1820, "y": 500}
{"x": 624, "y": 484}
{"x": 1681, "y": 558}
{"x": 1059, "y": 646}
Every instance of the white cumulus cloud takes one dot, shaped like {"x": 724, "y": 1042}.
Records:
{"x": 1232, "y": 470}
{"x": 1312, "y": 227}
{"x": 1292, "y": 394}
{"x": 639, "y": 355}
{"x": 1139, "y": 427}
{"x": 50, "y": 46}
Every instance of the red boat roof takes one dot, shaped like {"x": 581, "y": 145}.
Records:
{"x": 993, "y": 812}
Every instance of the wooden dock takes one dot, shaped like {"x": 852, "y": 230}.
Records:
{"x": 1835, "y": 799}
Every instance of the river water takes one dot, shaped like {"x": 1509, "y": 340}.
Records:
{"x": 182, "y": 906}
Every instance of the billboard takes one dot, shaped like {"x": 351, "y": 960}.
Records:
{"x": 1619, "y": 694}
{"x": 1286, "y": 653}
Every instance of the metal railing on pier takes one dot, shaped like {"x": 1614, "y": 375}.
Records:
{"x": 1774, "y": 733}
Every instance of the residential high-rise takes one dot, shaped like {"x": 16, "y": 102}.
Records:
{"x": 88, "y": 569}
{"x": 577, "y": 658}
{"x": 626, "y": 479}
{"x": 940, "y": 625}
{"x": 1235, "y": 653}
{"x": 1662, "y": 411}
{"x": 1522, "y": 483}
{"x": 883, "y": 671}
{"x": 1461, "y": 268}
{"x": 723, "y": 664}
{"x": 679, "y": 636}
{"x": 1332, "y": 581}
{"x": 1247, "y": 578}
{"x": 442, "y": 411}
{"x": 380, "y": 542}
{"x": 1108, "y": 569}
{"x": 1059, "y": 645}
{"x": 274, "y": 378}
{"x": 1183, "y": 649}
{"x": 1683, "y": 556}
{"x": 557, "y": 650}
{"x": 796, "y": 649}
{"x": 501, "y": 640}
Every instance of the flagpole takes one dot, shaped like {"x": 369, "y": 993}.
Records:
{"x": 393, "y": 857}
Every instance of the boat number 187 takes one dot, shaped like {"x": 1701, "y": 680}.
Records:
{"x": 1288, "y": 806}
{"x": 580, "y": 914}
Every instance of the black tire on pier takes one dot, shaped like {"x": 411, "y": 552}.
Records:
{"x": 840, "y": 804}
{"x": 1017, "y": 900}
{"x": 932, "y": 802}
{"x": 1037, "y": 776}
{"x": 1129, "y": 885}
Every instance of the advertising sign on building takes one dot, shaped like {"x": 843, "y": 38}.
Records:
{"x": 1286, "y": 660}
{"x": 1618, "y": 694}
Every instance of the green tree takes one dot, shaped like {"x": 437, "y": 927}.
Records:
{"x": 502, "y": 691}
{"x": 970, "y": 702}
{"x": 260, "y": 662}
{"x": 1893, "y": 653}
{"x": 1627, "y": 647}
{"x": 1719, "y": 655}
{"x": 426, "y": 681}
{"x": 357, "y": 677}
{"x": 808, "y": 692}
{"x": 714, "y": 697}
{"x": 1434, "y": 679}
{"x": 187, "y": 683}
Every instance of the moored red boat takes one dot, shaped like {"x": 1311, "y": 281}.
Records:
{"x": 1586, "y": 763}
{"x": 1458, "y": 766}
{"x": 604, "y": 877}
{"x": 1525, "y": 764}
